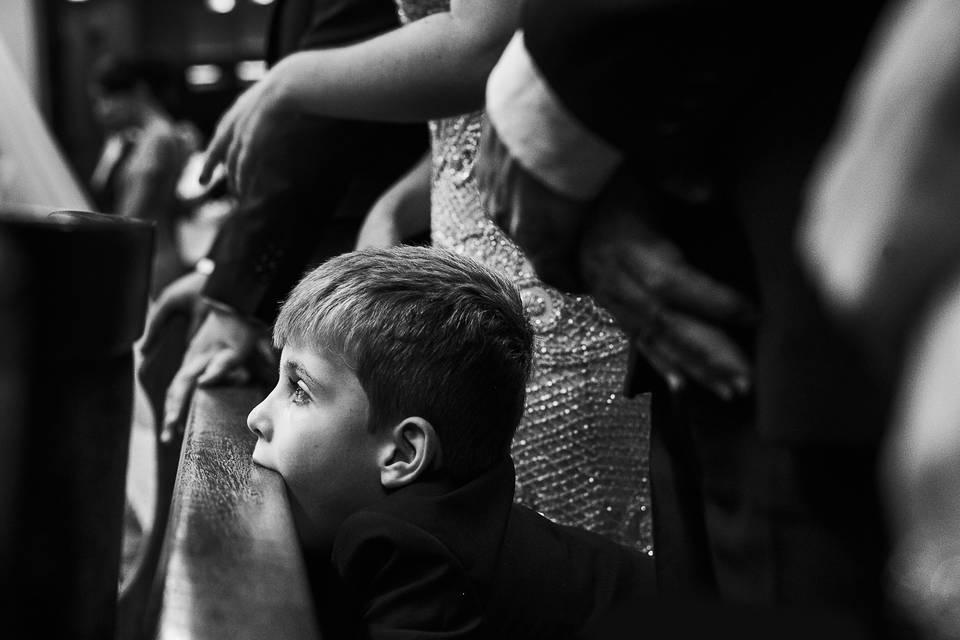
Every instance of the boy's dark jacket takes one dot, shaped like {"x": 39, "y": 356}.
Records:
{"x": 441, "y": 560}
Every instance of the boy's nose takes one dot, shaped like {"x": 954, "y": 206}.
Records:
{"x": 257, "y": 421}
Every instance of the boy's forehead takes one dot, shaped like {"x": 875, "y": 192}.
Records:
{"x": 317, "y": 361}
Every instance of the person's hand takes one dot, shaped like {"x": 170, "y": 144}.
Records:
{"x": 182, "y": 296}
{"x": 674, "y": 314}
{"x": 244, "y": 130}
{"x": 545, "y": 224}
{"x": 220, "y": 352}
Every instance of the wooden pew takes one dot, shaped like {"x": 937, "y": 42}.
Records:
{"x": 231, "y": 566}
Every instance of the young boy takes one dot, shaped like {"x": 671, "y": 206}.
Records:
{"x": 402, "y": 380}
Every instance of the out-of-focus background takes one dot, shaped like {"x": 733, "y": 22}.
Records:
{"x": 209, "y": 49}
{"x": 198, "y": 56}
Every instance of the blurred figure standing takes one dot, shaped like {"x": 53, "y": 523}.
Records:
{"x": 144, "y": 152}
{"x": 144, "y": 149}
{"x": 882, "y": 236}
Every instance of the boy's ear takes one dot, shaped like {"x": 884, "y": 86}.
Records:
{"x": 410, "y": 449}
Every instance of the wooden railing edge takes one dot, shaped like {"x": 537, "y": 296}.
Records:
{"x": 231, "y": 565}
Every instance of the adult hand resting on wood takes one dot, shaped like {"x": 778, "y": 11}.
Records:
{"x": 221, "y": 351}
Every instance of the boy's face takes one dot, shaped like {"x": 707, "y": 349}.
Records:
{"x": 312, "y": 429}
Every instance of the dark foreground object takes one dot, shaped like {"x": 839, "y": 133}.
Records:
{"x": 74, "y": 296}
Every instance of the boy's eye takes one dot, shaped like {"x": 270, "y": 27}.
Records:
{"x": 298, "y": 393}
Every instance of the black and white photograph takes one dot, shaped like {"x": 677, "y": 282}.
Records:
{"x": 479, "y": 319}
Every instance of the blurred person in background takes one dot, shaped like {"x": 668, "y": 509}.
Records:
{"x": 882, "y": 236}
{"x": 144, "y": 152}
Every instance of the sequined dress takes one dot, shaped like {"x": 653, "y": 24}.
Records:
{"x": 582, "y": 449}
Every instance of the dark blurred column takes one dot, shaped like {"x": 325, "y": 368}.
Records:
{"x": 76, "y": 297}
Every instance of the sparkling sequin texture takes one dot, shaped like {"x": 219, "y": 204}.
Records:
{"x": 582, "y": 449}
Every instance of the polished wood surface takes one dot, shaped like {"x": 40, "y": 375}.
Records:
{"x": 232, "y": 567}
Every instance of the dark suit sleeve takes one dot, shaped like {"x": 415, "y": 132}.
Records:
{"x": 309, "y": 192}
{"x": 665, "y": 80}
{"x": 628, "y": 68}
{"x": 316, "y": 180}
{"x": 406, "y": 582}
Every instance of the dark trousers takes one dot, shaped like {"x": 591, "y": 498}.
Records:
{"x": 783, "y": 531}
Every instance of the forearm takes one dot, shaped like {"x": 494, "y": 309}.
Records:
{"x": 402, "y": 212}
{"x": 431, "y": 68}
{"x": 413, "y": 192}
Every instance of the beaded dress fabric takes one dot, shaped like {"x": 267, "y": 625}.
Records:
{"x": 582, "y": 449}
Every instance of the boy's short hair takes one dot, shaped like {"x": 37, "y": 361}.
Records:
{"x": 428, "y": 333}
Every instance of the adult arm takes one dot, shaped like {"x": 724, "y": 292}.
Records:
{"x": 434, "y": 67}
{"x": 431, "y": 68}
{"x": 403, "y": 211}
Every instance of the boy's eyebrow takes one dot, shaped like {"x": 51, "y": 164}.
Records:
{"x": 301, "y": 371}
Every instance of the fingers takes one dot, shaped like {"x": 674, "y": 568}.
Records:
{"x": 684, "y": 288}
{"x": 222, "y": 367}
{"x": 690, "y": 348}
{"x": 222, "y": 141}
{"x": 631, "y": 303}
{"x": 620, "y": 240}
{"x": 216, "y": 150}
{"x": 662, "y": 365}
{"x": 240, "y": 167}
{"x": 207, "y": 369}
{"x": 180, "y": 296}
{"x": 682, "y": 348}
{"x": 179, "y": 393}
{"x": 231, "y": 161}
{"x": 159, "y": 316}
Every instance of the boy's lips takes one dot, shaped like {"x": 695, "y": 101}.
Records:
{"x": 258, "y": 459}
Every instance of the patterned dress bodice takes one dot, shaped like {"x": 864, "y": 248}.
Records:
{"x": 582, "y": 449}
